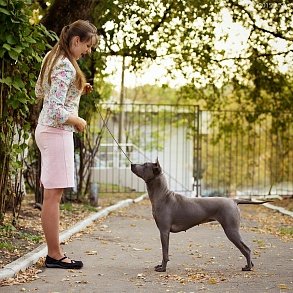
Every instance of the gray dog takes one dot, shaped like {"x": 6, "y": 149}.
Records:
{"x": 175, "y": 213}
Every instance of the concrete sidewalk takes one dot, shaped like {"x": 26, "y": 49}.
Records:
{"x": 121, "y": 250}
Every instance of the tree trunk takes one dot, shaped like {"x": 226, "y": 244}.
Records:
{"x": 64, "y": 12}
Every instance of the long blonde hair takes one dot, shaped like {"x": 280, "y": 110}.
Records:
{"x": 85, "y": 31}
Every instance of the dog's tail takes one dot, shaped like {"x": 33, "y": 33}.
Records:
{"x": 246, "y": 201}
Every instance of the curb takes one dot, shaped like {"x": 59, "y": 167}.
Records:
{"x": 279, "y": 209}
{"x": 32, "y": 257}
{"x": 276, "y": 208}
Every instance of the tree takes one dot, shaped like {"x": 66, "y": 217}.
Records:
{"x": 66, "y": 11}
{"x": 20, "y": 50}
{"x": 193, "y": 35}
{"x": 255, "y": 79}
{"x": 186, "y": 31}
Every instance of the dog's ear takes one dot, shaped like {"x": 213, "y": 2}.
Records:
{"x": 157, "y": 169}
{"x": 157, "y": 162}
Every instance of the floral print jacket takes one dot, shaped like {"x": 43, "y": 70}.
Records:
{"x": 61, "y": 98}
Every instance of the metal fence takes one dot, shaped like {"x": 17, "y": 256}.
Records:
{"x": 145, "y": 132}
{"x": 202, "y": 152}
{"x": 246, "y": 159}
{"x": 206, "y": 153}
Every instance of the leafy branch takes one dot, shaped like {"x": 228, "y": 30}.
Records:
{"x": 276, "y": 34}
{"x": 255, "y": 54}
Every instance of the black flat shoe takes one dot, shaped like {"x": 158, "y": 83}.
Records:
{"x": 59, "y": 264}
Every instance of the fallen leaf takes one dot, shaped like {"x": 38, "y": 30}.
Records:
{"x": 212, "y": 281}
{"x": 283, "y": 286}
{"x": 92, "y": 252}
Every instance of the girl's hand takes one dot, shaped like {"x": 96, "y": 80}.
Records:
{"x": 80, "y": 124}
{"x": 87, "y": 89}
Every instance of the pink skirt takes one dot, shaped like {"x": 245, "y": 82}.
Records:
{"x": 57, "y": 155}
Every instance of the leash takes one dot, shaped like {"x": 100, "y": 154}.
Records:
{"x": 105, "y": 125}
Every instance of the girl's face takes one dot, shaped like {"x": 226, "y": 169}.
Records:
{"x": 79, "y": 49}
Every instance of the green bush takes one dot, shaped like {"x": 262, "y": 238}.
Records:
{"x": 21, "y": 49}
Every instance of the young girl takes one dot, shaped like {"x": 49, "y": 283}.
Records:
{"x": 60, "y": 85}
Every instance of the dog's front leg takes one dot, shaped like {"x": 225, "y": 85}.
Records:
{"x": 165, "y": 250}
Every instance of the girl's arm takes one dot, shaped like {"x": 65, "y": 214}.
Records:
{"x": 77, "y": 122}
{"x": 62, "y": 76}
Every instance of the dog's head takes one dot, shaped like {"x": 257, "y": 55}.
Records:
{"x": 147, "y": 171}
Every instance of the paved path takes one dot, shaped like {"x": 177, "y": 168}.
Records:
{"x": 120, "y": 251}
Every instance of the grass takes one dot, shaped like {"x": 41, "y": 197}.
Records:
{"x": 12, "y": 236}
{"x": 30, "y": 237}
{"x": 260, "y": 243}
{"x": 286, "y": 231}
{"x": 70, "y": 207}
{"x": 67, "y": 207}
{"x": 6, "y": 246}
{"x": 7, "y": 230}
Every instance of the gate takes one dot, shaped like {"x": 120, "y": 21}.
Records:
{"x": 145, "y": 132}
{"x": 207, "y": 153}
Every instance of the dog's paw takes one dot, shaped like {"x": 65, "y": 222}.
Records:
{"x": 247, "y": 268}
{"x": 159, "y": 268}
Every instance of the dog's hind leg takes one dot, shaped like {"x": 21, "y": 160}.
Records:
{"x": 165, "y": 250}
{"x": 235, "y": 237}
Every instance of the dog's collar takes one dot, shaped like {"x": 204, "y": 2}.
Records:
{"x": 151, "y": 179}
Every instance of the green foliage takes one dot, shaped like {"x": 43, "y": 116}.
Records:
{"x": 6, "y": 246}
{"x": 66, "y": 206}
{"x": 242, "y": 46}
{"x": 286, "y": 231}
{"x": 248, "y": 80}
{"x": 252, "y": 77}
{"x": 30, "y": 237}
{"x": 7, "y": 230}
{"x": 12, "y": 235}
{"x": 69, "y": 207}
{"x": 196, "y": 36}
{"x": 152, "y": 94}
{"x": 22, "y": 45}
{"x": 241, "y": 152}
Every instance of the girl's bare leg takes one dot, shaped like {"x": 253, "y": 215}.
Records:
{"x": 50, "y": 221}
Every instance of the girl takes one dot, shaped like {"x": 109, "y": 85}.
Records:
{"x": 60, "y": 85}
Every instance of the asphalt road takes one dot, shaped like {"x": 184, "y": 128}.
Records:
{"x": 121, "y": 250}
